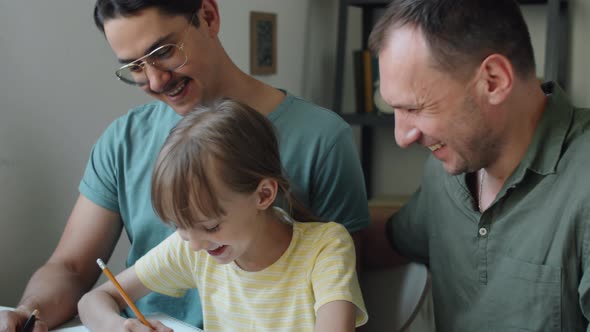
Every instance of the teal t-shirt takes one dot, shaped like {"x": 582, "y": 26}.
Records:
{"x": 317, "y": 152}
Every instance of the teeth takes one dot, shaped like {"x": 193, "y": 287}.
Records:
{"x": 435, "y": 147}
{"x": 219, "y": 246}
{"x": 177, "y": 90}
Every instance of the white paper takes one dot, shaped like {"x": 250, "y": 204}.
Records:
{"x": 171, "y": 322}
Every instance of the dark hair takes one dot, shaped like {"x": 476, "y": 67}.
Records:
{"x": 240, "y": 143}
{"x": 462, "y": 32}
{"x": 105, "y": 10}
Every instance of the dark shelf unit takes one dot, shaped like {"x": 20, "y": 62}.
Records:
{"x": 375, "y": 120}
{"x": 532, "y": 2}
{"x": 556, "y": 65}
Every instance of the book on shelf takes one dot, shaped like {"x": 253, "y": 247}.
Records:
{"x": 369, "y": 66}
{"x": 358, "y": 78}
{"x": 365, "y": 72}
{"x": 366, "y": 83}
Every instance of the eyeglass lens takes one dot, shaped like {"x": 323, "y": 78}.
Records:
{"x": 166, "y": 57}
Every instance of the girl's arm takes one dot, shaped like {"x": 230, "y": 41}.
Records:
{"x": 339, "y": 302}
{"x": 100, "y": 308}
{"x": 336, "y": 316}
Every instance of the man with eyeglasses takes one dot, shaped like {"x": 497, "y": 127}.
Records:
{"x": 171, "y": 50}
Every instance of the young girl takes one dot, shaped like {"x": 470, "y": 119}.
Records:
{"x": 217, "y": 181}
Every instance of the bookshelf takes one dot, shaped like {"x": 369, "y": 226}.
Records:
{"x": 555, "y": 69}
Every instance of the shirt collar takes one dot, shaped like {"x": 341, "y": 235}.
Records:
{"x": 545, "y": 149}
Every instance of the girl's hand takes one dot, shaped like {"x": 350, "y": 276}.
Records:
{"x": 134, "y": 325}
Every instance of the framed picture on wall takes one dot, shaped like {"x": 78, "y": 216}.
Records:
{"x": 263, "y": 43}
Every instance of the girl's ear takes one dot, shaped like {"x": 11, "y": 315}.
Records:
{"x": 266, "y": 193}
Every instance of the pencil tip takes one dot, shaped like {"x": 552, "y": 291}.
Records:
{"x": 35, "y": 312}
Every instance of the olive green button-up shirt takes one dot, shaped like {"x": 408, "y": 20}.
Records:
{"x": 524, "y": 264}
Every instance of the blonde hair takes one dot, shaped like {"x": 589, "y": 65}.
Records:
{"x": 242, "y": 145}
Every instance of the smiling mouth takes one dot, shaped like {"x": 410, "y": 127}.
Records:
{"x": 178, "y": 89}
{"x": 435, "y": 147}
{"x": 216, "y": 251}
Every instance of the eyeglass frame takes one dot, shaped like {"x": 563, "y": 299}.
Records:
{"x": 142, "y": 60}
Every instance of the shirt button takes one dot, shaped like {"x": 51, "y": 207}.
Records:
{"x": 483, "y": 231}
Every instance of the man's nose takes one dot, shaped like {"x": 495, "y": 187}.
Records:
{"x": 157, "y": 78}
{"x": 405, "y": 132}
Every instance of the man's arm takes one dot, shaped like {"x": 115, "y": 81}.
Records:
{"x": 376, "y": 251}
{"x": 340, "y": 193}
{"x": 584, "y": 283}
{"x": 358, "y": 238}
{"x": 91, "y": 232}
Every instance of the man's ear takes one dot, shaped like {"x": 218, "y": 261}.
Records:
{"x": 266, "y": 193}
{"x": 209, "y": 15}
{"x": 496, "y": 79}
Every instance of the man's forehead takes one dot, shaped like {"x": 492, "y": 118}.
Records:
{"x": 406, "y": 53}
{"x": 406, "y": 68}
{"x": 134, "y": 36}
{"x": 405, "y": 39}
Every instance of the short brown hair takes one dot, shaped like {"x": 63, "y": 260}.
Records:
{"x": 242, "y": 145}
{"x": 462, "y": 33}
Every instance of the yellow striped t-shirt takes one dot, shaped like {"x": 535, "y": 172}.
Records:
{"x": 318, "y": 267}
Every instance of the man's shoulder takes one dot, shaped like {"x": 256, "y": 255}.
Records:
{"x": 300, "y": 123}
{"x": 153, "y": 115}
{"x": 581, "y": 122}
{"x": 578, "y": 133}
{"x": 298, "y": 111}
{"x": 149, "y": 112}
{"x": 150, "y": 122}
{"x": 575, "y": 150}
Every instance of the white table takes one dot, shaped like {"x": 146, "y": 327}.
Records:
{"x": 76, "y": 326}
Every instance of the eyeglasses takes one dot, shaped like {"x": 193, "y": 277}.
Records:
{"x": 168, "y": 57}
